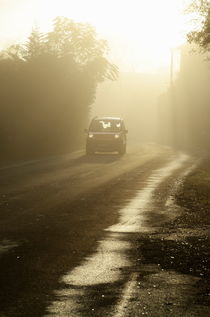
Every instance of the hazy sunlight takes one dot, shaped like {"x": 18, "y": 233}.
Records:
{"x": 140, "y": 33}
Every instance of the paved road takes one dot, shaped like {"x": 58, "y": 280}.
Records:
{"x": 70, "y": 235}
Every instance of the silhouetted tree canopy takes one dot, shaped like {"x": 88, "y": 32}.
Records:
{"x": 201, "y": 36}
{"x": 47, "y": 87}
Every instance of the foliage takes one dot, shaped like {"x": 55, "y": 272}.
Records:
{"x": 47, "y": 86}
{"x": 201, "y": 36}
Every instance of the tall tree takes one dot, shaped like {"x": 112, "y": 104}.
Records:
{"x": 201, "y": 35}
{"x": 35, "y": 46}
{"x": 48, "y": 85}
{"x": 79, "y": 42}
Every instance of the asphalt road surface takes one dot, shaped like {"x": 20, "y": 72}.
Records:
{"x": 72, "y": 231}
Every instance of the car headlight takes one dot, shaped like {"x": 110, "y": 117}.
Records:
{"x": 116, "y": 136}
{"x": 90, "y": 135}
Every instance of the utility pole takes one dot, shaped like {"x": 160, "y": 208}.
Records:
{"x": 173, "y": 102}
{"x": 171, "y": 68}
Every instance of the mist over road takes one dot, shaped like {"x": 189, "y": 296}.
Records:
{"x": 68, "y": 224}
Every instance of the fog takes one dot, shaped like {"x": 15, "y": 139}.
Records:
{"x": 184, "y": 109}
{"x": 156, "y": 110}
{"x": 133, "y": 97}
{"x": 54, "y": 83}
{"x": 175, "y": 113}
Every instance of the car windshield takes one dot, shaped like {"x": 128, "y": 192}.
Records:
{"x": 106, "y": 125}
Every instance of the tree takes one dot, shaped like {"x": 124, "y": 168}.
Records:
{"x": 202, "y": 35}
{"x": 35, "y": 46}
{"x": 48, "y": 86}
{"x": 78, "y": 42}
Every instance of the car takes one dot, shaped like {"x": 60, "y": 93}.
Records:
{"x": 106, "y": 134}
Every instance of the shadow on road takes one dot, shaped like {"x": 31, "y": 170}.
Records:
{"x": 104, "y": 158}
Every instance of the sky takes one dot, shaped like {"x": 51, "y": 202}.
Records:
{"x": 140, "y": 33}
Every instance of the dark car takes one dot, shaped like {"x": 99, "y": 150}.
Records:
{"x": 106, "y": 134}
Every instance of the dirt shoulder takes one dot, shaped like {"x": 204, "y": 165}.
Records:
{"x": 180, "y": 250}
{"x": 190, "y": 231}
{"x": 194, "y": 198}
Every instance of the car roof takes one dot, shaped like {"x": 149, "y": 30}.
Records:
{"x": 107, "y": 118}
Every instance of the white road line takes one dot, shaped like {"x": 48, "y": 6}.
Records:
{"x": 6, "y": 245}
{"x": 126, "y": 296}
{"x": 105, "y": 265}
{"x": 131, "y": 216}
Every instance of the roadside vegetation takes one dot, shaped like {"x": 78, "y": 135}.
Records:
{"x": 182, "y": 245}
{"x": 185, "y": 104}
{"x": 200, "y": 35}
{"x": 194, "y": 197}
{"x": 47, "y": 87}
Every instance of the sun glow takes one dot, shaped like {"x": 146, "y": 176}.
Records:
{"x": 140, "y": 32}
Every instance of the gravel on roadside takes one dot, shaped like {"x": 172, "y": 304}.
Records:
{"x": 182, "y": 244}
{"x": 194, "y": 198}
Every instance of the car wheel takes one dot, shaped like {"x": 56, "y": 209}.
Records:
{"x": 122, "y": 150}
{"x": 89, "y": 151}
